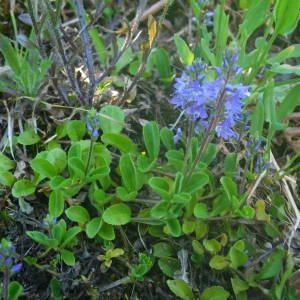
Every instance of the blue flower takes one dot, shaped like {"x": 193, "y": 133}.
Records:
{"x": 16, "y": 268}
{"x": 205, "y": 99}
{"x": 49, "y": 220}
{"x": 209, "y": 18}
{"x": 92, "y": 121}
{"x": 177, "y": 136}
{"x": 8, "y": 257}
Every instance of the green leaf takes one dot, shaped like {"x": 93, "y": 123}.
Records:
{"x": 289, "y": 103}
{"x": 247, "y": 212}
{"x": 273, "y": 266}
{"x": 6, "y": 179}
{"x": 99, "y": 45}
{"x": 210, "y": 153}
{"x": 6, "y": 163}
{"x": 119, "y": 141}
{"x": 44, "y": 167}
{"x": 214, "y": 293}
{"x": 161, "y": 59}
{"x": 197, "y": 181}
{"x": 59, "y": 230}
{"x": 167, "y": 138}
{"x": 183, "y": 198}
{"x": 230, "y": 163}
{"x": 162, "y": 249}
{"x": 188, "y": 226}
{"x": 76, "y": 167}
{"x": 28, "y": 137}
{"x": 55, "y": 287}
{"x": 70, "y": 235}
{"x": 58, "y": 157}
{"x": 212, "y": 245}
{"x": 15, "y": 290}
{"x": 255, "y": 17}
{"x": 221, "y": 29}
{"x": 128, "y": 172}
{"x": 197, "y": 247}
{"x": 97, "y": 174}
{"x": 117, "y": 214}
{"x": 200, "y": 211}
{"x": 174, "y": 227}
{"x": 125, "y": 58}
{"x": 23, "y": 188}
{"x": 161, "y": 186}
{"x": 56, "y": 203}
{"x": 151, "y": 139}
{"x": 169, "y": 265}
{"x": 75, "y": 130}
{"x": 78, "y": 214}
{"x": 257, "y": 120}
{"x": 286, "y": 15}
{"x": 175, "y": 158}
{"x": 93, "y": 227}
{"x": 238, "y": 285}
{"x": 179, "y": 179}
{"x": 59, "y": 182}
{"x": 285, "y": 69}
{"x": 42, "y": 239}
{"x": 184, "y": 52}
{"x": 77, "y": 149}
{"x": 116, "y": 252}
{"x": 68, "y": 257}
{"x": 237, "y": 255}
{"x": 124, "y": 195}
{"x": 160, "y": 210}
{"x": 145, "y": 264}
{"x": 181, "y": 289}
{"x": 145, "y": 164}
{"x": 10, "y": 54}
{"x": 289, "y": 52}
{"x": 112, "y": 119}
{"x": 107, "y": 232}
{"x": 218, "y": 262}
{"x": 201, "y": 229}
{"x": 206, "y": 50}
{"x": 229, "y": 186}
{"x": 260, "y": 209}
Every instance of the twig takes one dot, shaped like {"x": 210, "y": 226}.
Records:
{"x": 114, "y": 284}
{"x": 290, "y": 198}
{"x": 88, "y": 53}
{"x": 130, "y": 32}
{"x": 67, "y": 66}
{"x": 256, "y": 184}
{"x": 155, "y": 8}
{"x": 164, "y": 4}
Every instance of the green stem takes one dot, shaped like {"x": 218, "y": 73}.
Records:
{"x": 89, "y": 156}
{"x": 6, "y": 279}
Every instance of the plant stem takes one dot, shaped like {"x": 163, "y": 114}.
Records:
{"x": 88, "y": 53}
{"x": 89, "y": 156}
{"x": 67, "y": 65}
{"x": 211, "y": 127}
{"x": 6, "y": 278}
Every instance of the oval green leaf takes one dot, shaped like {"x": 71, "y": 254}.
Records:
{"x": 23, "y": 188}
{"x": 117, "y": 214}
{"x": 181, "y": 289}
{"x": 78, "y": 214}
{"x": 214, "y": 293}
